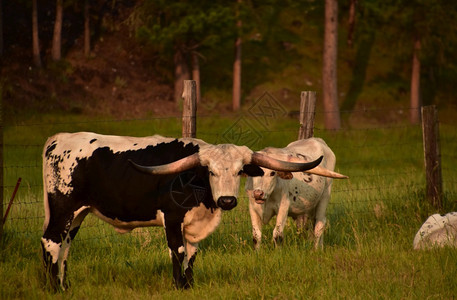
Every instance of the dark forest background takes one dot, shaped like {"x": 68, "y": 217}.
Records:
{"x": 127, "y": 58}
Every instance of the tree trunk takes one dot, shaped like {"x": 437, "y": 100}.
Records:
{"x": 236, "y": 93}
{"x": 35, "y": 35}
{"x": 57, "y": 37}
{"x": 329, "y": 72}
{"x": 415, "y": 102}
{"x": 236, "y": 96}
{"x": 351, "y": 22}
{"x": 1, "y": 28}
{"x": 86, "y": 28}
{"x": 181, "y": 74}
{"x": 196, "y": 73}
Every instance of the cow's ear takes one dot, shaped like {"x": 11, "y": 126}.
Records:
{"x": 285, "y": 175}
{"x": 253, "y": 170}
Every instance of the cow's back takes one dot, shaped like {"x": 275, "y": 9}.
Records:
{"x": 92, "y": 170}
{"x": 312, "y": 148}
{"x": 306, "y": 190}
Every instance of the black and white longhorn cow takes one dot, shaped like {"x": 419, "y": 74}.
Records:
{"x": 132, "y": 182}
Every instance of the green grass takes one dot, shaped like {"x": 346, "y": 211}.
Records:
{"x": 372, "y": 220}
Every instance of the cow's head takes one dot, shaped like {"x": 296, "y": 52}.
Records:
{"x": 226, "y": 163}
{"x": 263, "y": 186}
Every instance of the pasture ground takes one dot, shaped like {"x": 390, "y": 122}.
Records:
{"x": 368, "y": 253}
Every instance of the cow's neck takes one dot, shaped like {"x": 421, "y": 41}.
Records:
{"x": 200, "y": 222}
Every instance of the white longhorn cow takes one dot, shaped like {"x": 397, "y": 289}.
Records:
{"x": 437, "y": 231}
{"x": 292, "y": 194}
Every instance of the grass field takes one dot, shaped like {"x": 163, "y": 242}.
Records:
{"x": 368, "y": 253}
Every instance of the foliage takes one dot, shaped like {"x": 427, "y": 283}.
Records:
{"x": 282, "y": 44}
{"x": 400, "y": 21}
{"x": 209, "y": 28}
{"x": 188, "y": 26}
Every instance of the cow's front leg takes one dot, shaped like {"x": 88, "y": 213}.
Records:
{"x": 177, "y": 252}
{"x": 55, "y": 245}
{"x": 256, "y": 222}
{"x": 281, "y": 220}
{"x": 191, "y": 254}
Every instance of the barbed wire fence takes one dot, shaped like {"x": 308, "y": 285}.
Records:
{"x": 394, "y": 160}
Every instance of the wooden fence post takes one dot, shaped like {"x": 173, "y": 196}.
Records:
{"x": 307, "y": 112}
{"x": 432, "y": 155}
{"x": 189, "y": 111}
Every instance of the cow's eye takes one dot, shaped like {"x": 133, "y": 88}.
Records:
{"x": 273, "y": 173}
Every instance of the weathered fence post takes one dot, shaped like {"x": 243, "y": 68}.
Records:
{"x": 189, "y": 111}
{"x": 307, "y": 112}
{"x": 432, "y": 155}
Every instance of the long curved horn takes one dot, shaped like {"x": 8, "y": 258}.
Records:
{"x": 320, "y": 170}
{"x": 265, "y": 161}
{"x": 326, "y": 173}
{"x": 181, "y": 165}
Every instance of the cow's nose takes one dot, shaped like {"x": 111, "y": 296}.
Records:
{"x": 258, "y": 194}
{"x": 226, "y": 202}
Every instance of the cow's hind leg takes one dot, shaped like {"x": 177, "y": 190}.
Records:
{"x": 55, "y": 243}
{"x": 321, "y": 219}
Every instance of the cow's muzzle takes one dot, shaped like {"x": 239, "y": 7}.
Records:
{"x": 259, "y": 196}
{"x": 226, "y": 202}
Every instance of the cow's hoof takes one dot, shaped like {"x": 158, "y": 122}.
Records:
{"x": 183, "y": 283}
{"x": 278, "y": 241}
{"x": 54, "y": 286}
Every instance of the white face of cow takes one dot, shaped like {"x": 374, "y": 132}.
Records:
{"x": 263, "y": 186}
{"x": 225, "y": 165}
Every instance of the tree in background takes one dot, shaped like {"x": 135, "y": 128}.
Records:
{"x": 362, "y": 39}
{"x": 438, "y": 49}
{"x": 181, "y": 69}
{"x": 236, "y": 93}
{"x": 1, "y": 28}
{"x": 432, "y": 41}
{"x": 416, "y": 45}
{"x": 415, "y": 40}
{"x": 86, "y": 28}
{"x": 35, "y": 35}
{"x": 413, "y": 23}
{"x": 207, "y": 29}
{"x": 420, "y": 29}
{"x": 196, "y": 73}
{"x": 415, "y": 97}
{"x": 351, "y": 22}
{"x": 56, "y": 52}
{"x": 269, "y": 38}
{"x": 181, "y": 30}
{"x": 329, "y": 69}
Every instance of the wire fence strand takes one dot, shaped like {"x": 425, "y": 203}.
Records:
{"x": 384, "y": 163}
